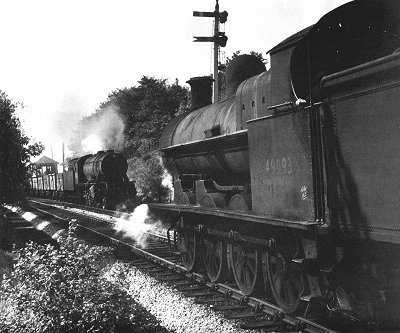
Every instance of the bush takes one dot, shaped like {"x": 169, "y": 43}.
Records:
{"x": 148, "y": 173}
{"x": 62, "y": 290}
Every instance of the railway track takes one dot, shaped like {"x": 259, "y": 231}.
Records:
{"x": 22, "y": 229}
{"x": 159, "y": 259}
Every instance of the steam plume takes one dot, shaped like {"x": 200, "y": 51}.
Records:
{"x": 138, "y": 224}
{"x": 100, "y": 131}
{"x": 167, "y": 182}
{"x": 104, "y": 130}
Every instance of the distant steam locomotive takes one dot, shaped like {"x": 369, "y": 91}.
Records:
{"x": 292, "y": 183}
{"x": 95, "y": 180}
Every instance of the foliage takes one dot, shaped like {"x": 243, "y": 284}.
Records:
{"x": 148, "y": 173}
{"x": 15, "y": 153}
{"x": 144, "y": 109}
{"x": 62, "y": 290}
{"x": 147, "y": 109}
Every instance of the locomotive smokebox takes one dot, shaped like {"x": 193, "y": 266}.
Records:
{"x": 240, "y": 69}
{"x": 201, "y": 91}
{"x": 105, "y": 165}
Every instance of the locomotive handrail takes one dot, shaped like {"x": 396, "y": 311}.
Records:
{"x": 237, "y": 133}
{"x": 298, "y": 102}
{"x": 280, "y": 105}
{"x": 286, "y": 112}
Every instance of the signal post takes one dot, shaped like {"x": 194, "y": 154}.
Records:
{"x": 219, "y": 39}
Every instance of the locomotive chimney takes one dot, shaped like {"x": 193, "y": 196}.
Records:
{"x": 201, "y": 91}
{"x": 239, "y": 69}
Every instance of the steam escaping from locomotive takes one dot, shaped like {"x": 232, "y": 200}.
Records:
{"x": 92, "y": 143}
{"x": 137, "y": 224}
{"x": 104, "y": 131}
{"x": 167, "y": 183}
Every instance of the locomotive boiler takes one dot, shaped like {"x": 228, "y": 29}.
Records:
{"x": 106, "y": 181}
{"x": 290, "y": 185}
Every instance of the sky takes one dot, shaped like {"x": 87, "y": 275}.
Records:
{"x": 61, "y": 59}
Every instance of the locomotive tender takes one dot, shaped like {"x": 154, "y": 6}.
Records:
{"x": 94, "y": 180}
{"x": 292, "y": 183}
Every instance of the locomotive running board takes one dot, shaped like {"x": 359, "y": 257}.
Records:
{"x": 228, "y": 214}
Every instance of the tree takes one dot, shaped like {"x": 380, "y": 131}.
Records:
{"x": 147, "y": 109}
{"x": 148, "y": 173}
{"x": 16, "y": 149}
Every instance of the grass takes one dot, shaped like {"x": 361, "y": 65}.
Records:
{"x": 6, "y": 266}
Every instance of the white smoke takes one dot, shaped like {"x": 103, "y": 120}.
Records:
{"x": 167, "y": 182}
{"x": 138, "y": 224}
{"x": 101, "y": 130}
{"x": 92, "y": 143}
{"x": 104, "y": 130}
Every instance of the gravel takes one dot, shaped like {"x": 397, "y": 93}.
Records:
{"x": 174, "y": 311}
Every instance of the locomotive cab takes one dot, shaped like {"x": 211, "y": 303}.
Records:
{"x": 350, "y": 35}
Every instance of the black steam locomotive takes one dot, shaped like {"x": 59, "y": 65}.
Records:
{"x": 98, "y": 180}
{"x": 291, "y": 184}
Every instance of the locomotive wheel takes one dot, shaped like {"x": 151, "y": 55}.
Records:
{"x": 246, "y": 266}
{"x": 215, "y": 259}
{"x": 189, "y": 249}
{"x": 285, "y": 281}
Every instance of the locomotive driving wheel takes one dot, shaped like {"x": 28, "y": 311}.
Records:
{"x": 246, "y": 266}
{"x": 215, "y": 259}
{"x": 189, "y": 248}
{"x": 285, "y": 280}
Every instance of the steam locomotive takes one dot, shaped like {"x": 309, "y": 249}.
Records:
{"x": 290, "y": 186}
{"x": 95, "y": 180}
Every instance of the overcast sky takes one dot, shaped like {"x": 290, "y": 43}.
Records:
{"x": 61, "y": 55}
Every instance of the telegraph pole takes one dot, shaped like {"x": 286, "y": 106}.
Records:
{"x": 63, "y": 157}
{"x": 216, "y": 52}
{"x": 219, "y": 39}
